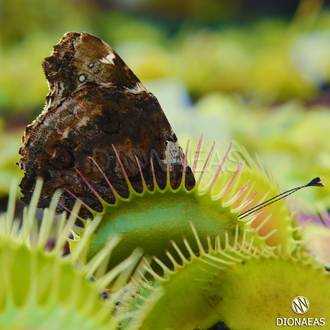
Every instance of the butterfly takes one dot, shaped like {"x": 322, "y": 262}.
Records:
{"x": 97, "y": 112}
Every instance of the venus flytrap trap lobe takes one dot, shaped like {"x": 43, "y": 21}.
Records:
{"x": 42, "y": 288}
{"x": 151, "y": 219}
{"x": 224, "y": 282}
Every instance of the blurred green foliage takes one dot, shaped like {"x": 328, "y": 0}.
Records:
{"x": 252, "y": 77}
{"x": 253, "y": 59}
{"x": 9, "y": 145}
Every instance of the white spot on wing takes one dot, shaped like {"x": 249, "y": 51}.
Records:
{"x": 108, "y": 59}
{"x": 82, "y": 78}
{"x": 137, "y": 88}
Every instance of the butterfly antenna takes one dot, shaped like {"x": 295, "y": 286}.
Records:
{"x": 316, "y": 182}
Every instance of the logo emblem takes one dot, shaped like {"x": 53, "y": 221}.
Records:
{"x": 300, "y": 305}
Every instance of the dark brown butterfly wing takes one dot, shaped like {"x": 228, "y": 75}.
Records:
{"x": 96, "y": 102}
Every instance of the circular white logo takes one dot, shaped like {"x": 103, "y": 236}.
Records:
{"x": 300, "y": 305}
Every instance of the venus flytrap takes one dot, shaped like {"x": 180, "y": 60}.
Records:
{"x": 151, "y": 219}
{"x": 240, "y": 285}
{"x": 43, "y": 289}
